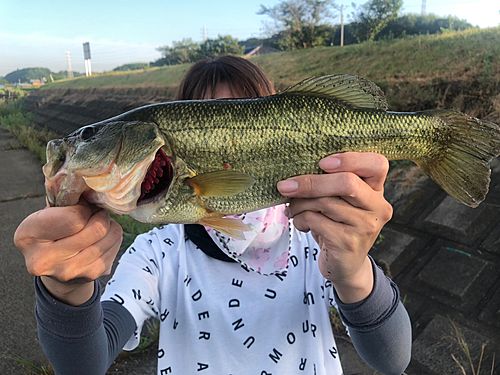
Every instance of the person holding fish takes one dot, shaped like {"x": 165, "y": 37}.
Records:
{"x": 248, "y": 293}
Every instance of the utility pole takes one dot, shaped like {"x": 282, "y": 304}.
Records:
{"x": 204, "y": 33}
{"x": 423, "y": 11}
{"x": 342, "y": 25}
{"x": 69, "y": 69}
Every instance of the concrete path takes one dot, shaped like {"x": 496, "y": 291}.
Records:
{"x": 21, "y": 192}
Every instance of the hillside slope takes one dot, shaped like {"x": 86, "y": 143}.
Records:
{"x": 470, "y": 53}
{"x": 459, "y": 70}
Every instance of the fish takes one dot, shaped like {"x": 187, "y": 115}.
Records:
{"x": 198, "y": 161}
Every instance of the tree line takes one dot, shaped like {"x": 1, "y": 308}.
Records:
{"x": 300, "y": 24}
{"x": 25, "y": 75}
{"x": 187, "y": 50}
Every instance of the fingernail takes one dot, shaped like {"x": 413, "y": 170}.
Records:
{"x": 329, "y": 163}
{"x": 288, "y": 186}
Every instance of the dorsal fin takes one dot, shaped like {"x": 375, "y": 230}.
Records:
{"x": 352, "y": 90}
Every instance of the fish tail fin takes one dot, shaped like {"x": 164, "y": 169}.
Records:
{"x": 463, "y": 169}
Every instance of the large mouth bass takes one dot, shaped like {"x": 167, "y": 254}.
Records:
{"x": 197, "y": 161}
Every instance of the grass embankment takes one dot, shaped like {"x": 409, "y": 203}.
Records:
{"x": 471, "y": 53}
{"x": 455, "y": 55}
{"x": 19, "y": 123}
{"x": 169, "y": 76}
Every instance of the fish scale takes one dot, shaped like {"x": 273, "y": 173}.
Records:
{"x": 274, "y": 147}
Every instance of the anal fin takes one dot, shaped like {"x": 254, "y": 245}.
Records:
{"x": 234, "y": 228}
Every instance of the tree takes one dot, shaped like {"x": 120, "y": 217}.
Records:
{"x": 414, "y": 24}
{"x": 298, "y": 21}
{"x": 131, "y": 66}
{"x": 27, "y": 74}
{"x": 183, "y": 51}
{"x": 223, "y": 45}
{"x": 373, "y": 16}
{"x": 187, "y": 51}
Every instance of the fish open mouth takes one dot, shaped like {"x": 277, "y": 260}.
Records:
{"x": 158, "y": 178}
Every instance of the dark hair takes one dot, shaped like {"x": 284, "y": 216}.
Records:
{"x": 244, "y": 78}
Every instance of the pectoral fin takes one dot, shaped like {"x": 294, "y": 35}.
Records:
{"x": 220, "y": 183}
{"x": 234, "y": 228}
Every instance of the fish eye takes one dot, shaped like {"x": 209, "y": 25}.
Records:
{"x": 87, "y": 132}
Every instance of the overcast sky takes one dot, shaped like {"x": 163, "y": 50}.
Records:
{"x": 38, "y": 33}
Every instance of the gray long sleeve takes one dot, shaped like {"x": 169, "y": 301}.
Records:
{"x": 379, "y": 326}
{"x": 86, "y": 339}
{"x": 82, "y": 340}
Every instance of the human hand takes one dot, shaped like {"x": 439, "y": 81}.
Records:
{"x": 345, "y": 210}
{"x": 69, "y": 247}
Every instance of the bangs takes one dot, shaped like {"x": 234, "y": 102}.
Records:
{"x": 243, "y": 78}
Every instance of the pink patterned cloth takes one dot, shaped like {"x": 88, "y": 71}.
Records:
{"x": 266, "y": 247}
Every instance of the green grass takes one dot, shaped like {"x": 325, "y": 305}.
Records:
{"x": 19, "y": 123}
{"x": 450, "y": 55}
{"x": 169, "y": 77}
{"x": 13, "y": 91}
{"x": 453, "y": 55}
{"x": 131, "y": 228}
{"x": 29, "y": 367}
